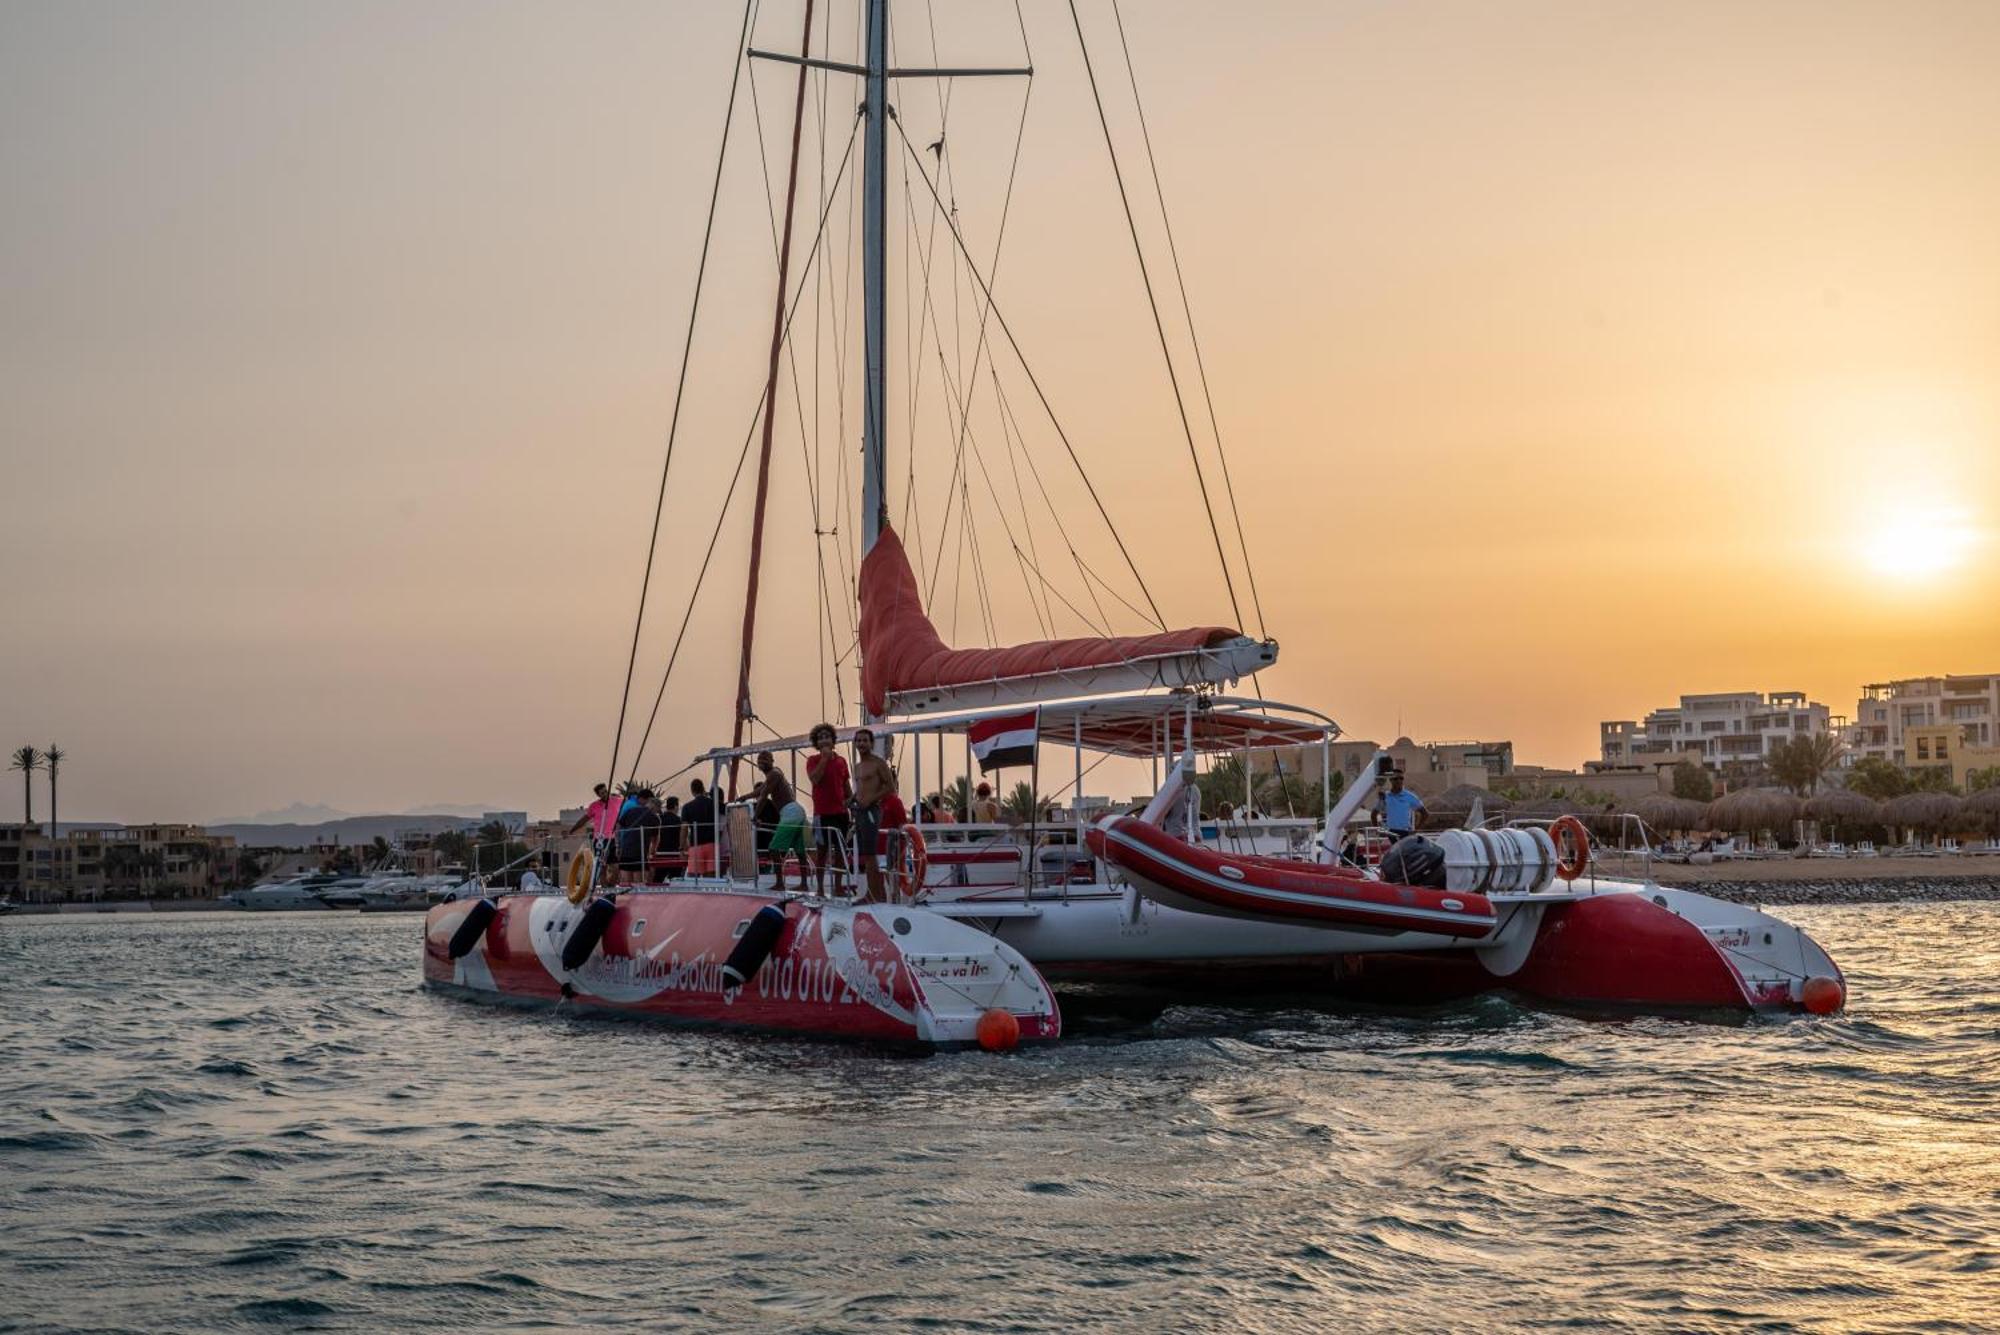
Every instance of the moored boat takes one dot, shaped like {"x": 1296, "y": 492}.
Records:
{"x": 1141, "y": 895}
{"x": 302, "y": 891}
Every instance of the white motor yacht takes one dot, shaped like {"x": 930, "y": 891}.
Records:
{"x": 302, "y": 891}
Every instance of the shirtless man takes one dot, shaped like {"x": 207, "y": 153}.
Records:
{"x": 873, "y": 780}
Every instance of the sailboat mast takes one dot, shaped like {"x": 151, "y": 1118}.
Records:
{"x": 874, "y": 278}
{"x": 874, "y": 286}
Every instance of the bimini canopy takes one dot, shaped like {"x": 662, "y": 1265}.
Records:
{"x": 906, "y": 667}
{"x": 1134, "y": 725}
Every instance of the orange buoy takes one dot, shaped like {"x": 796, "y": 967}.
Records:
{"x": 1820, "y": 995}
{"x": 998, "y": 1030}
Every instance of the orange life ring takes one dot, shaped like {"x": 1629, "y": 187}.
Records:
{"x": 577, "y": 882}
{"x": 1572, "y": 847}
{"x": 913, "y": 864}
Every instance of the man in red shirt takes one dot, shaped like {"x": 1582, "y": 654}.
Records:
{"x": 826, "y": 771}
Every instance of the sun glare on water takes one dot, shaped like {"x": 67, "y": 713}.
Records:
{"x": 1920, "y": 544}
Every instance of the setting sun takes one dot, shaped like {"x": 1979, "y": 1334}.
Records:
{"x": 1921, "y": 542}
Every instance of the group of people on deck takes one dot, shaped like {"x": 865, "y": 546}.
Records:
{"x": 633, "y": 831}
{"x": 854, "y": 807}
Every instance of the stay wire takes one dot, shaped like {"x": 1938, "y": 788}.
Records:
{"x": 1159, "y": 325}
{"x": 694, "y": 593}
{"x": 959, "y": 406}
{"x": 680, "y": 390}
{"x": 1187, "y": 310}
{"x": 999, "y": 239}
{"x": 798, "y": 392}
{"x": 1014, "y": 344}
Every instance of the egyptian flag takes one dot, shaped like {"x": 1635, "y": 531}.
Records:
{"x": 1000, "y": 742}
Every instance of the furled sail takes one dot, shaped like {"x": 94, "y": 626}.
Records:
{"x": 907, "y": 668}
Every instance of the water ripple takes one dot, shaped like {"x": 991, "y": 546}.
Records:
{"x": 216, "y": 1122}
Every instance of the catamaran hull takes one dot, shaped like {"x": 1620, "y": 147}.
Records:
{"x": 871, "y": 974}
{"x": 1618, "y": 945}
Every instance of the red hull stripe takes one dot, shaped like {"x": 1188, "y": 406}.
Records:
{"x": 1269, "y": 888}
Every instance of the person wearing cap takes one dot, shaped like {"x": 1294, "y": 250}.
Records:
{"x": 1399, "y": 809}
{"x": 985, "y": 810}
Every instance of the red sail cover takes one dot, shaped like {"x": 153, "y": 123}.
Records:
{"x": 901, "y": 650}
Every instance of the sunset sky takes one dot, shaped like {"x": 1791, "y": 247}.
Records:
{"x": 1569, "y": 357}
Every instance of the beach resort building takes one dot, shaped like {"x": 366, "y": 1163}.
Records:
{"x": 174, "y": 861}
{"x": 1716, "y": 730}
{"x": 1428, "y": 767}
{"x": 1892, "y": 715}
{"x": 1948, "y": 746}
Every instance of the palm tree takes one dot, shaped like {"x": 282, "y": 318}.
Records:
{"x": 121, "y": 861}
{"x": 27, "y": 760}
{"x": 1020, "y": 804}
{"x": 52, "y": 760}
{"x": 200, "y": 855}
{"x": 1224, "y": 782}
{"x": 1802, "y": 762}
{"x": 382, "y": 852}
{"x": 958, "y": 796}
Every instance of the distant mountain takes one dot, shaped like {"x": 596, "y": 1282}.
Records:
{"x": 346, "y": 830}
{"x": 298, "y": 813}
{"x": 471, "y": 809}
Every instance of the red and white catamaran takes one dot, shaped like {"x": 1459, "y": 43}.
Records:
{"x": 1157, "y": 895}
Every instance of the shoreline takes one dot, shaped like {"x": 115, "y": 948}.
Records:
{"x": 1765, "y": 881}
{"x": 1793, "y": 880}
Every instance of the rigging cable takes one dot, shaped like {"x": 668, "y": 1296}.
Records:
{"x": 1035, "y": 383}
{"x": 958, "y": 405}
{"x": 680, "y": 390}
{"x": 999, "y": 238}
{"x": 749, "y": 435}
{"x": 1187, "y": 310}
{"x": 779, "y": 344}
{"x": 1166, "y": 351}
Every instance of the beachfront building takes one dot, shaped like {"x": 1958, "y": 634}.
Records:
{"x": 1889, "y": 712}
{"x": 1730, "y": 729}
{"x": 1428, "y": 767}
{"x": 97, "y": 862}
{"x": 1951, "y": 747}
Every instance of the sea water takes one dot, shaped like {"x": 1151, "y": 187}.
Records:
{"x": 230, "y": 1121}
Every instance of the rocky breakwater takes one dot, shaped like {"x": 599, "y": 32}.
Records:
{"x": 1782, "y": 881}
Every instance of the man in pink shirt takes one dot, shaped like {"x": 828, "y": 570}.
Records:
{"x": 601, "y": 816}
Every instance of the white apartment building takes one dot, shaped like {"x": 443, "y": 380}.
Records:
{"x": 1732, "y": 727}
{"x": 1888, "y": 709}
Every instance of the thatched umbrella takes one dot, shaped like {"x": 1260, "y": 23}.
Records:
{"x": 1839, "y": 808}
{"x": 1546, "y": 808}
{"x": 1754, "y": 809}
{"x": 1454, "y": 804}
{"x": 1931, "y": 813}
{"x": 1985, "y": 805}
{"x": 1838, "y": 804}
{"x": 1664, "y": 811}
